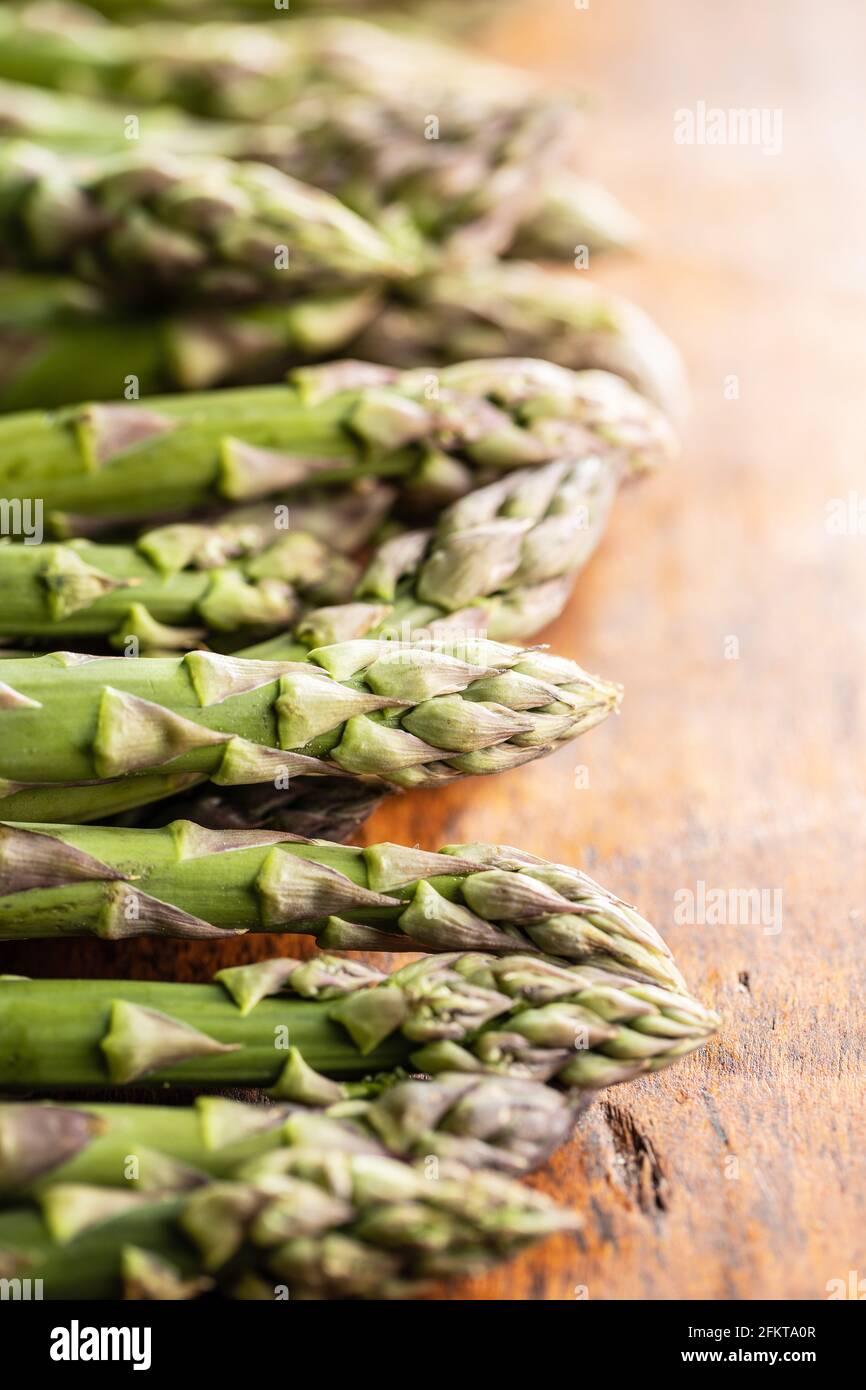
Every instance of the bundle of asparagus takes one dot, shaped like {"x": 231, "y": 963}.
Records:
{"x": 458, "y": 148}
{"x": 299, "y": 191}
{"x": 323, "y": 1216}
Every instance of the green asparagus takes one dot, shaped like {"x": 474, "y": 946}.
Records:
{"x": 81, "y": 730}
{"x": 516, "y": 308}
{"x": 185, "y": 880}
{"x": 306, "y": 1221}
{"x": 524, "y": 1016}
{"x": 82, "y": 589}
{"x": 60, "y": 342}
{"x": 260, "y": 565}
{"x": 490, "y": 1122}
{"x": 244, "y": 72}
{"x": 146, "y": 226}
{"x": 331, "y": 423}
{"x": 502, "y": 559}
{"x": 498, "y": 187}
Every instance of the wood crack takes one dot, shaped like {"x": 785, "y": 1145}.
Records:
{"x": 641, "y": 1166}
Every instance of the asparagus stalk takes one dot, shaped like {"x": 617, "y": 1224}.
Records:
{"x": 521, "y": 1016}
{"x": 574, "y": 212}
{"x": 185, "y": 880}
{"x": 331, "y": 423}
{"x": 320, "y": 1220}
{"x": 376, "y": 159}
{"x": 149, "y": 225}
{"x": 546, "y": 211}
{"x": 252, "y": 73}
{"x": 60, "y": 344}
{"x": 491, "y": 1122}
{"x": 60, "y": 341}
{"x": 517, "y": 308}
{"x": 80, "y": 730}
{"x": 502, "y": 559}
{"x": 256, "y": 567}
{"x": 82, "y": 589}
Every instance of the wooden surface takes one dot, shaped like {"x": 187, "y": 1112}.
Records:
{"x": 739, "y": 1174}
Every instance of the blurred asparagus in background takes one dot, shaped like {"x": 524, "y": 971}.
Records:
{"x": 61, "y": 341}
{"x": 517, "y": 308}
{"x": 450, "y": 12}
{"x": 476, "y": 191}
{"x": 144, "y": 227}
{"x": 428, "y": 137}
{"x": 250, "y": 72}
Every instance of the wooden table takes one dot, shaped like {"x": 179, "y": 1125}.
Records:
{"x": 734, "y": 617}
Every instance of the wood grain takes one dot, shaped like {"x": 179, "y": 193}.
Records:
{"x": 740, "y": 1173}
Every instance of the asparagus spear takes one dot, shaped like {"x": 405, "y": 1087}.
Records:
{"x": 185, "y": 880}
{"x": 547, "y": 210}
{"x": 574, "y": 212}
{"x": 250, "y": 73}
{"x": 260, "y": 565}
{"x": 82, "y": 589}
{"x": 515, "y": 307}
{"x": 81, "y": 729}
{"x": 60, "y": 343}
{"x": 498, "y": 187}
{"x": 520, "y": 1015}
{"x": 502, "y": 559}
{"x": 331, "y": 423}
{"x": 304, "y": 1221}
{"x": 492, "y": 1122}
{"x": 145, "y": 226}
